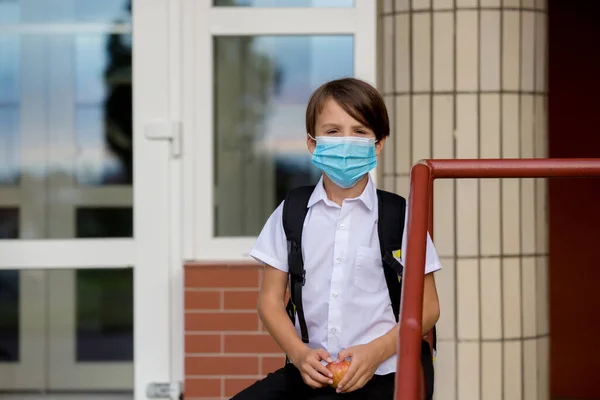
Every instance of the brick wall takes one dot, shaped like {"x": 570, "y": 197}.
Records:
{"x": 226, "y": 347}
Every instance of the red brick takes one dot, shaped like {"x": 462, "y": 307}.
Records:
{"x": 270, "y": 364}
{"x": 235, "y": 385}
{"x": 202, "y": 388}
{"x": 202, "y": 300}
{"x": 221, "y": 322}
{"x": 240, "y": 300}
{"x": 200, "y": 365}
{"x": 202, "y": 343}
{"x": 221, "y": 277}
{"x": 250, "y": 344}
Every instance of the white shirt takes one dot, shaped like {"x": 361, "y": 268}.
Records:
{"x": 345, "y": 298}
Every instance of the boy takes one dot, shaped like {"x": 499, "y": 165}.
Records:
{"x": 345, "y": 301}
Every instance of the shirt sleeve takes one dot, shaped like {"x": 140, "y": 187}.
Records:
{"x": 432, "y": 260}
{"x": 271, "y": 246}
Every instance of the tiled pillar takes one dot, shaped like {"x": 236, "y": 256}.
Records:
{"x": 467, "y": 79}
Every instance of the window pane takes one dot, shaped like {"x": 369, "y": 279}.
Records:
{"x": 104, "y": 222}
{"x": 9, "y": 223}
{"x": 49, "y": 11}
{"x": 284, "y": 3}
{"x": 262, "y": 85}
{"x": 9, "y": 315}
{"x": 104, "y": 315}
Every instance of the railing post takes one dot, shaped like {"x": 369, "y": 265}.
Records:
{"x": 411, "y": 315}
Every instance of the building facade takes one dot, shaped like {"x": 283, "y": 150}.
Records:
{"x": 145, "y": 144}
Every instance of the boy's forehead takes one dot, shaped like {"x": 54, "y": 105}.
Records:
{"x": 333, "y": 113}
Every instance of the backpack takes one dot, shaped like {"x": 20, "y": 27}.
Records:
{"x": 390, "y": 226}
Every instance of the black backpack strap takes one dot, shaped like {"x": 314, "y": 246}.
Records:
{"x": 295, "y": 208}
{"x": 390, "y": 227}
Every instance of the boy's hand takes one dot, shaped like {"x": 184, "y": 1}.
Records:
{"x": 312, "y": 370}
{"x": 365, "y": 361}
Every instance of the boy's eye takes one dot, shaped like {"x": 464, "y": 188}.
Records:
{"x": 361, "y": 132}
{"x": 331, "y": 132}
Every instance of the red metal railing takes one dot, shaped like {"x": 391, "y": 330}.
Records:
{"x": 420, "y": 215}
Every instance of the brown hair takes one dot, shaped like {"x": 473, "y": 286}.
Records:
{"x": 359, "y": 99}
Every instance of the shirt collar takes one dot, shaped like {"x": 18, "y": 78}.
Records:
{"x": 367, "y": 197}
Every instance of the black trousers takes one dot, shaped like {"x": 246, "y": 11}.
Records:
{"x": 286, "y": 383}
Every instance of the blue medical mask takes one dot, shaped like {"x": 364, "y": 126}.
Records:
{"x": 345, "y": 159}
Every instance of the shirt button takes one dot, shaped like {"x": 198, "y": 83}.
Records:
{"x": 333, "y": 330}
{"x": 338, "y": 260}
{"x": 335, "y": 294}
{"x": 342, "y": 226}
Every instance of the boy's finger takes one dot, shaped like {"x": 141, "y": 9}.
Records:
{"x": 324, "y": 355}
{"x": 319, "y": 373}
{"x": 322, "y": 369}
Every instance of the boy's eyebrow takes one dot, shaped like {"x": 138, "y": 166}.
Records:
{"x": 332, "y": 125}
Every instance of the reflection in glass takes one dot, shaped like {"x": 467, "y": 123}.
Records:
{"x": 104, "y": 315}
{"x": 285, "y": 3}
{"x": 104, "y": 222}
{"x": 262, "y": 85}
{"x": 9, "y": 315}
{"x": 56, "y": 11}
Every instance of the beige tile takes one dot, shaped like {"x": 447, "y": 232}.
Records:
{"x": 510, "y": 126}
{"x": 403, "y": 185}
{"x": 490, "y": 217}
{"x": 540, "y": 132}
{"x": 528, "y": 3}
{"x": 543, "y": 353}
{"x": 511, "y": 224}
{"x": 490, "y": 125}
{"x": 528, "y": 51}
{"x": 443, "y": 217}
{"x": 444, "y": 280}
{"x": 388, "y": 156}
{"x": 421, "y": 52}
{"x": 402, "y": 135}
{"x": 528, "y": 216}
{"x": 489, "y": 54}
{"x": 387, "y": 81}
{"x": 491, "y": 371}
{"x": 403, "y": 59}
{"x": 402, "y": 5}
{"x": 541, "y": 235}
{"x": 467, "y": 287}
{"x": 542, "y": 303}
{"x": 511, "y": 3}
{"x": 443, "y": 4}
{"x": 445, "y": 383}
{"x": 467, "y": 223}
{"x": 512, "y": 371}
{"x": 468, "y": 371}
{"x": 529, "y": 306}
{"x": 387, "y": 6}
{"x": 443, "y": 51}
{"x": 511, "y": 298}
{"x": 491, "y": 299}
{"x": 541, "y": 51}
{"x": 530, "y": 368}
{"x": 466, "y": 3}
{"x": 421, "y": 133}
{"x": 510, "y": 50}
{"x": 421, "y": 4}
{"x": 467, "y": 143}
{"x": 466, "y": 50}
{"x": 490, "y": 3}
{"x": 443, "y": 126}
{"x": 527, "y": 119}
{"x": 541, "y": 4}
{"x": 389, "y": 183}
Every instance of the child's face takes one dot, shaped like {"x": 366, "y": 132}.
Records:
{"x": 334, "y": 121}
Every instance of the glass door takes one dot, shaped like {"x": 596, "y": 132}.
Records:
{"x": 68, "y": 261}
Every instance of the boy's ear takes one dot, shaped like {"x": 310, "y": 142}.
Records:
{"x": 379, "y": 145}
{"x": 310, "y": 143}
